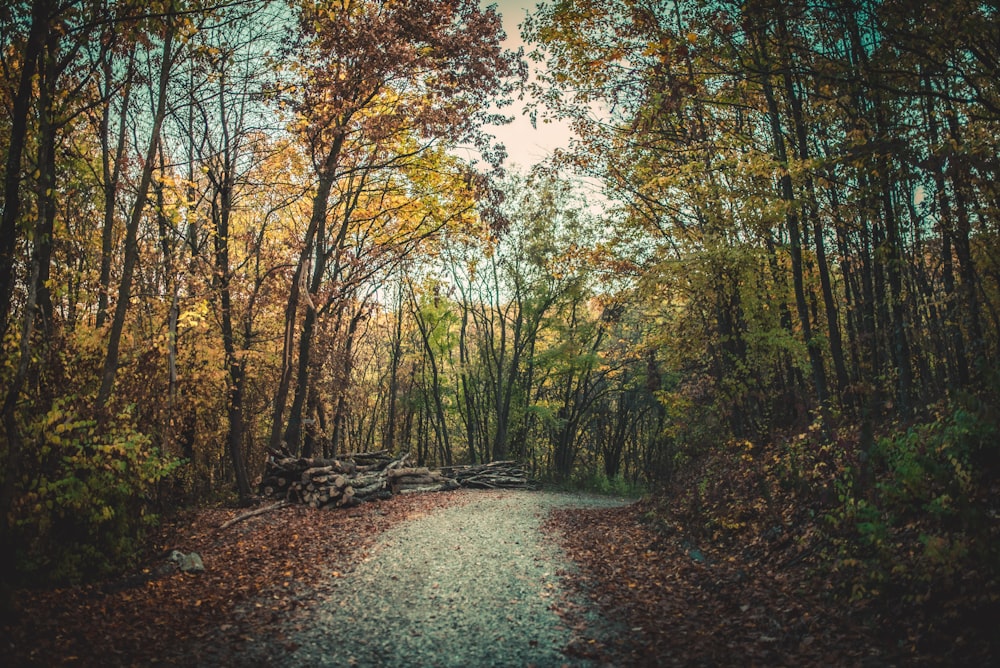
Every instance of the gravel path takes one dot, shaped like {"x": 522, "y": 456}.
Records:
{"x": 470, "y": 585}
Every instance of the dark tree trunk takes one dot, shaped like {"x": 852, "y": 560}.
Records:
{"x": 222, "y": 208}
{"x": 787, "y": 193}
{"x": 111, "y": 170}
{"x": 20, "y": 113}
{"x": 317, "y": 219}
{"x": 131, "y": 247}
{"x": 802, "y": 145}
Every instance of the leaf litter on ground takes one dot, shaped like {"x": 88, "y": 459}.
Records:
{"x": 684, "y": 600}
{"x": 258, "y": 572}
{"x": 713, "y": 605}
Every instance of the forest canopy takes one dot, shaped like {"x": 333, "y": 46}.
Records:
{"x": 230, "y": 229}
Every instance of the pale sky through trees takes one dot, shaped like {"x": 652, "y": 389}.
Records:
{"x": 526, "y": 145}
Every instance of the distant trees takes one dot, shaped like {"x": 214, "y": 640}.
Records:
{"x": 818, "y": 213}
{"x": 384, "y": 84}
{"x": 509, "y": 347}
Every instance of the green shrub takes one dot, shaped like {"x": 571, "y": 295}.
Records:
{"x": 926, "y": 519}
{"x": 929, "y": 468}
{"x": 85, "y": 502}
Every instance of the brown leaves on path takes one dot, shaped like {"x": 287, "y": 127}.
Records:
{"x": 258, "y": 573}
{"x": 684, "y": 606}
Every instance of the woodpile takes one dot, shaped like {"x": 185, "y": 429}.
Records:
{"x": 495, "y": 475}
{"x": 408, "y": 480}
{"x": 365, "y": 476}
{"x": 329, "y": 482}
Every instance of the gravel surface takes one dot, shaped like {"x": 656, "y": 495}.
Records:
{"x": 469, "y": 585}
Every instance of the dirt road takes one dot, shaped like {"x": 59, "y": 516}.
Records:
{"x": 472, "y": 585}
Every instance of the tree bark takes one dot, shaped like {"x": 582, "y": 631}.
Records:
{"x": 794, "y": 231}
{"x": 20, "y": 111}
{"x": 110, "y": 367}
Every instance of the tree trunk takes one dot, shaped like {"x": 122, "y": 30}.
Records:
{"x": 20, "y": 112}
{"x": 111, "y": 173}
{"x": 311, "y": 248}
{"x": 222, "y": 206}
{"x": 894, "y": 259}
{"x": 110, "y": 367}
{"x": 347, "y": 367}
{"x": 794, "y": 235}
{"x": 395, "y": 355}
{"x": 440, "y": 424}
{"x": 46, "y": 168}
{"x": 957, "y": 360}
{"x": 802, "y": 142}
{"x": 963, "y": 251}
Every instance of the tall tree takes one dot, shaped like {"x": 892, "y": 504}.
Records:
{"x": 39, "y": 21}
{"x": 376, "y": 75}
{"x": 131, "y": 248}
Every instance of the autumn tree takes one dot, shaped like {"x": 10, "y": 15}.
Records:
{"x": 799, "y": 149}
{"x": 242, "y": 171}
{"x": 382, "y": 84}
{"x": 65, "y": 73}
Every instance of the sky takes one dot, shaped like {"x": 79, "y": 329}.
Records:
{"x": 526, "y": 146}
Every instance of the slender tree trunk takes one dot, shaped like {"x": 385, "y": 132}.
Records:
{"x": 291, "y": 318}
{"x": 472, "y": 424}
{"x": 894, "y": 260}
{"x": 20, "y": 113}
{"x": 293, "y": 427}
{"x": 309, "y": 433}
{"x": 234, "y": 364}
{"x": 346, "y": 369}
{"x": 46, "y": 169}
{"x": 802, "y": 142}
{"x": 471, "y": 414}
{"x": 440, "y": 423}
{"x": 792, "y": 377}
{"x": 317, "y": 222}
{"x": 963, "y": 251}
{"x": 395, "y": 355}
{"x": 169, "y": 287}
{"x": 111, "y": 169}
{"x": 795, "y": 238}
{"x": 958, "y": 364}
{"x": 288, "y": 348}
{"x": 222, "y": 206}
{"x": 852, "y": 293}
{"x": 110, "y": 367}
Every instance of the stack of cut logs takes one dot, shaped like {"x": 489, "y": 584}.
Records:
{"x": 495, "y": 475}
{"x": 365, "y": 476}
{"x": 422, "y": 479}
{"x": 329, "y": 482}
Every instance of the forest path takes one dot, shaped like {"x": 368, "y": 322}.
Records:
{"x": 476, "y": 584}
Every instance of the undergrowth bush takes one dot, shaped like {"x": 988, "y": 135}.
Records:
{"x": 86, "y": 495}
{"x": 914, "y": 523}
{"x": 926, "y": 527}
